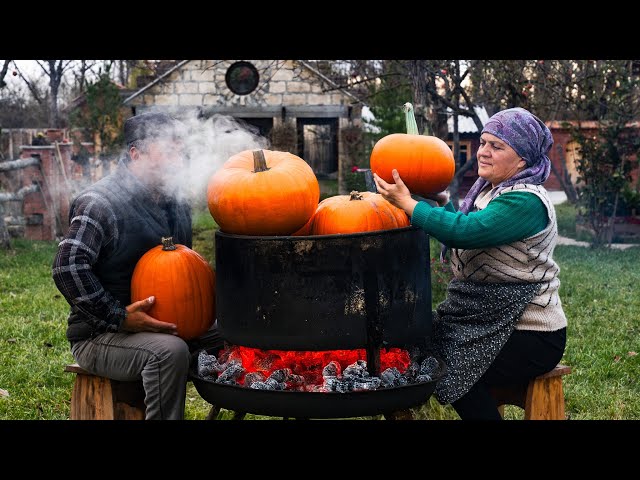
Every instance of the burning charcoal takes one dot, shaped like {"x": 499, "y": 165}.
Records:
{"x": 356, "y": 369}
{"x": 266, "y": 362}
{"x": 233, "y": 371}
{"x": 392, "y": 377}
{"x": 344, "y": 386}
{"x": 274, "y": 384}
{"x": 369, "y": 383}
{"x": 412, "y": 371}
{"x": 295, "y": 380}
{"x": 429, "y": 366}
{"x": 208, "y": 366}
{"x": 423, "y": 378}
{"x": 331, "y": 369}
{"x": 280, "y": 375}
{"x": 331, "y": 383}
{"x": 229, "y": 381}
{"x": 260, "y": 386}
{"x": 252, "y": 377}
{"x": 319, "y": 388}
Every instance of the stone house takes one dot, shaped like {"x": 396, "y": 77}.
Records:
{"x": 290, "y": 102}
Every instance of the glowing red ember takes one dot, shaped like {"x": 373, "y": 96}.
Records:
{"x": 308, "y": 364}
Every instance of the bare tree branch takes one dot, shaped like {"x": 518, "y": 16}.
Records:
{"x": 3, "y": 72}
{"x": 16, "y": 164}
{"x": 30, "y": 85}
{"x": 20, "y": 194}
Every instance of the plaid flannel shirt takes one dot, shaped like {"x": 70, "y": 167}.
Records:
{"x": 93, "y": 227}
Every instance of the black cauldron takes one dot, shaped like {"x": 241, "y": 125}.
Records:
{"x": 324, "y": 292}
{"x": 367, "y": 290}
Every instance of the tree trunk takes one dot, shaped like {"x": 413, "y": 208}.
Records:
{"x": 5, "y": 241}
{"x": 56, "y": 70}
{"x": 3, "y": 72}
{"x": 417, "y": 74}
{"x": 564, "y": 178}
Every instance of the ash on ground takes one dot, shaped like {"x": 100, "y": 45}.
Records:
{"x": 354, "y": 377}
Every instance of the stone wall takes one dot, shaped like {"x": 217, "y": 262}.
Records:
{"x": 202, "y": 83}
{"x": 287, "y": 90}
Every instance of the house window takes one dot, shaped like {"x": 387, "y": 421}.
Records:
{"x": 242, "y": 78}
{"x": 465, "y": 148}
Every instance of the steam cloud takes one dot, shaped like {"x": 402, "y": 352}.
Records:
{"x": 207, "y": 144}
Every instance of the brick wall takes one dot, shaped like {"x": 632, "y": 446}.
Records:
{"x": 46, "y": 212}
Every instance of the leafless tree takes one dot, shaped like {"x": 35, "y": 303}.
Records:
{"x": 3, "y": 72}
{"x": 54, "y": 69}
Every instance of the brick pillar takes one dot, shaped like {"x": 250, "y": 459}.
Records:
{"x": 36, "y": 207}
{"x": 47, "y": 211}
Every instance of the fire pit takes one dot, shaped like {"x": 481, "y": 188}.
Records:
{"x": 303, "y": 404}
{"x": 367, "y": 291}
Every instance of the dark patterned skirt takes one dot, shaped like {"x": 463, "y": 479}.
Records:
{"x": 470, "y": 328}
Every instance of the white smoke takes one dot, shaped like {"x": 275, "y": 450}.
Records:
{"x": 207, "y": 144}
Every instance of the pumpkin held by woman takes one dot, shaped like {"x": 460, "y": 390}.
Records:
{"x": 425, "y": 162}
{"x": 183, "y": 283}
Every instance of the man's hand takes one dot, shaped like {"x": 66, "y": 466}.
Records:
{"x": 137, "y": 320}
{"x": 397, "y": 193}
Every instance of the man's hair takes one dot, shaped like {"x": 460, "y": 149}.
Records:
{"x": 139, "y": 130}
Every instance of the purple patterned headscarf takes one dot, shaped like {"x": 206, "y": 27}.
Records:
{"x": 529, "y": 137}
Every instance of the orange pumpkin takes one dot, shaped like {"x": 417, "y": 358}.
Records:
{"x": 263, "y": 192}
{"x": 304, "y": 230}
{"x": 425, "y": 163}
{"x": 183, "y": 283}
{"x": 356, "y": 212}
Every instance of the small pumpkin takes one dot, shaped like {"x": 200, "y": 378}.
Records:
{"x": 183, "y": 283}
{"x": 425, "y": 163}
{"x": 263, "y": 192}
{"x": 356, "y": 212}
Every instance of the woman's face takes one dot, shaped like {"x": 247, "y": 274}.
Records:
{"x": 497, "y": 161}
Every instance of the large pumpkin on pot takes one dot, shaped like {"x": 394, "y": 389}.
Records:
{"x": 183, "y": 283}
{"x": 425, "y": 163}
{"x": 355, "y": 213}
{"x": 263, "y": 192}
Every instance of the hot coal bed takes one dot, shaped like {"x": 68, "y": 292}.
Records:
{"x": 329, "y": 326}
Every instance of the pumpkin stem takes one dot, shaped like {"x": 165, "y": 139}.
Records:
{"x": 355, "y": 195}
{"x": 259, "y": 161}
{"x": 167, "y": 244}
{"x": 410, "y": 119}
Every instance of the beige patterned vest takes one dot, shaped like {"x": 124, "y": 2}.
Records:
{"x": 527, "y": 260}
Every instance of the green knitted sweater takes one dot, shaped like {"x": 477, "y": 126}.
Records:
{"x": 509, "y": 217}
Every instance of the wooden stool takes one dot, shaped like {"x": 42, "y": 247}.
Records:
{"x": 541, "y": 399}
{"x": 100, "y": 398}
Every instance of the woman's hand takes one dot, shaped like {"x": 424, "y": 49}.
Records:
{"x": 396, "y": 194}
{"x": 137, "y": 320}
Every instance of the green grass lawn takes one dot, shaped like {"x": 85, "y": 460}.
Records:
{"x": 599, "y": 292}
